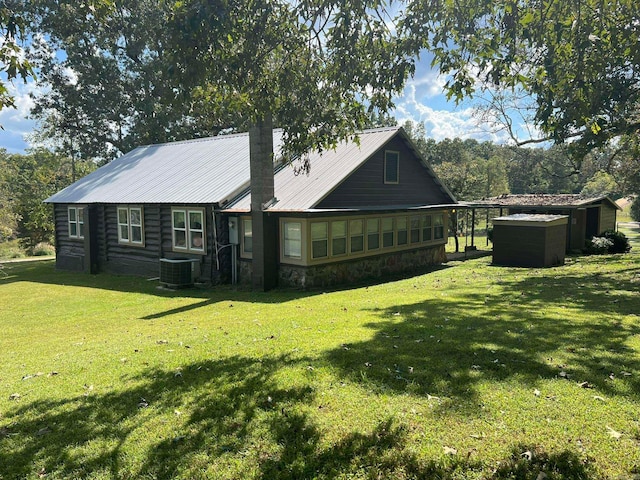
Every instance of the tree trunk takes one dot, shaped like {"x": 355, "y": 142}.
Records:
{"x": 265, "y": 232}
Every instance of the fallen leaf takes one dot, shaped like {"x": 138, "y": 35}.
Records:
{"x": 536, "y": 392}
{"x": 598, "y": 397}
{"x": 528, "y": 455}
{"x": 541, "y": 476}
{"x": 477, "y": 436}
{"x": 43, "y": 431}
{"x": 14, "y": 396}
{"x": 585, "y": 385}
{"x": 625, "y": 374}
{"x": 613, "y": 433}
{"x": 143, "y": 403}
{"x": 450, "y": 451}
{"x": 162, "y": 342}
{"x": 367, "y": 364}
{"x": 310, "y": 368}
{"x": 563, "y": 374}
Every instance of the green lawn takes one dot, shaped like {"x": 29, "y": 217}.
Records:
{"x": 470, "y": 371}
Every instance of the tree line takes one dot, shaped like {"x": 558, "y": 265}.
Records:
{"x": 471, "y": 169}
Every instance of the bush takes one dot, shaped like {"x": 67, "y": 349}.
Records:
{"x": 620, "y": 241}
{"x": 11, "y": 249}
{"x": 609, "y": 242}
{"x": 43, "y": 249}
{"x": 635, "y": 209}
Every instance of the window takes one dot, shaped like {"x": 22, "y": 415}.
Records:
{"x": 339, "y": 237}
{"x": 401, "y": 225}
{"x": 387, "y": 232}
{"x": 319, "y": 240}
{"x": 426, "y": 228}
{"x": 356, "y": 236}
{"x": 247, "y": 236}
{"x": 373, "y": 234}
{"x": 293, "y": 239}
{"x": 415, "y": 229}
{"x": 391, "y": 167}
{"x": 76, "y": 222}
{"x": 438, "y": 227}
{"x": 188, "y": 230}
{"x": 130, "y": 225}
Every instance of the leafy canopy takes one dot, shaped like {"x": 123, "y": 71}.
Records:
{"x": 579, "y": 59}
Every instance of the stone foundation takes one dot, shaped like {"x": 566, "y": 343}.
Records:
{"x": 368, "y": 268}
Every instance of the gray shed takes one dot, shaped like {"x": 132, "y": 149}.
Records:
{"x": 529, "y": 240}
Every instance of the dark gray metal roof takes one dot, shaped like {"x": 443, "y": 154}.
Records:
{"x": 208, "y": 170}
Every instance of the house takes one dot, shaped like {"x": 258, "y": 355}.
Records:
{"x": 587, "y": 216}
{"x": 365, "y": 209}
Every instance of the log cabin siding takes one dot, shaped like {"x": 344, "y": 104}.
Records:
{"x": 130, "y": 259}
{"x": 366, "y": 187}
{"x": 69, "y": 251}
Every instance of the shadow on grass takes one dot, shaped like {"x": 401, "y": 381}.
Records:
{"x": 241, "y": 424}
{"x": 44, "y": 272}
{"x": 444, "y": 346}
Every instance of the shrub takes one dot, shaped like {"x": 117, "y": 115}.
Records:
{"x": 598, "y": 246}
{"x": 43, "y": 249}
{"x": 635, "y": 209}
{"x": 609, "y": 242}
{"x": 620, "y": 241}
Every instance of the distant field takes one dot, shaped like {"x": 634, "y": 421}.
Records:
{"x": 470, "y": 371}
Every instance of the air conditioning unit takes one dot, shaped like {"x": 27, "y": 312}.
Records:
{"x": 177, "y": 273}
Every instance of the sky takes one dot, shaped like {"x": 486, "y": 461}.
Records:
{"x": 421, "y": 101}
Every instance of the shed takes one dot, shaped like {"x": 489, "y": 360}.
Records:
{"x": 588, "y": 216}
{"x": 529, "y": 240}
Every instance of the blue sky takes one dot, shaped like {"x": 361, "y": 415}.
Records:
{"x": 421, "y": 101}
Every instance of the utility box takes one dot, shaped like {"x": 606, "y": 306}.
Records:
{"x": 529, "y": 240}
{"x": 234, "y": 227}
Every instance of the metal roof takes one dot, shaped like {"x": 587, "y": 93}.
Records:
{"x": 328, "y": 170}
{"x": 207, "y": 170}
{"x": 563, "y": 200}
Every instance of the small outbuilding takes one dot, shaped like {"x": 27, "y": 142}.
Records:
{"x": 588, "y": 216}
{"x": 529, "y": 240}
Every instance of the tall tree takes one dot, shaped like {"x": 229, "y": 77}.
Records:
{"x": 108, "y": 84}
{"x": 318, "y": 68}
{"x": 26, "y": 180}
{"x": 579, "y": 59}
{"x": 13, "y": 64}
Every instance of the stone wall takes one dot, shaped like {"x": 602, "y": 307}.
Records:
{"x": 360, "y": 269}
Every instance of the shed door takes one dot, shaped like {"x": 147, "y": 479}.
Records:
{"x": 593, "y": 215}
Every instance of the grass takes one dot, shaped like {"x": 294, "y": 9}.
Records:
{"x": 470, "y": 371}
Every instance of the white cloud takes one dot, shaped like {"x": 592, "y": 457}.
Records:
{"x": 16, "y": 125}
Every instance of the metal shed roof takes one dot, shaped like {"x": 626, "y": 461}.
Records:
{"x": 207, "y": 170}
{"x": 551, "y": 201}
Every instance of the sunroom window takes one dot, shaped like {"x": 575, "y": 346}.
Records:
{"x": 293, "y": 240}
{"x": 319, "y": 240}
{"x": 438, "y": 227}
{"x": 426, "y": 228}
{"x": 387, "y": 232}
{"x": 356, "y": 236}
{"x": 338, "y": 237}
{"x": 415, "y": 229}
{"x": 373, "y": 233}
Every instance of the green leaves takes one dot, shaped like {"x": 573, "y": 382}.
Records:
{"x": 579, "y": 60}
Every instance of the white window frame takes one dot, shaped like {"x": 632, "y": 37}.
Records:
{"x": 77, "y": 221}
{"x": 388, "y": 155}
{"x": 320, "y": 236}
{"x": 130, "y": 226}
{"x": 287, "y": 240}
{"x": 247, "y": 226}
{"x": 189, "y": 230}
